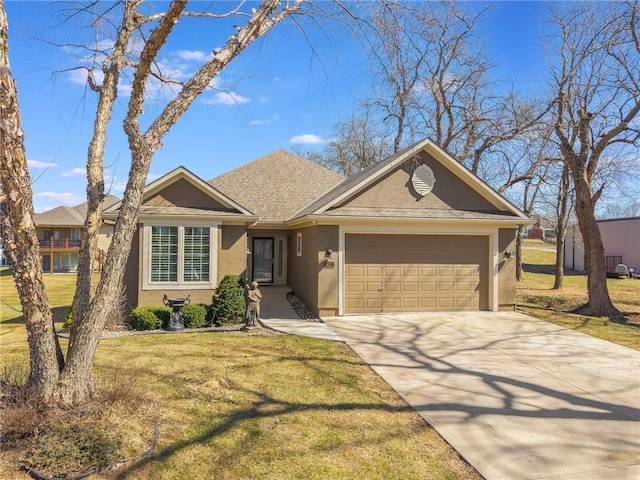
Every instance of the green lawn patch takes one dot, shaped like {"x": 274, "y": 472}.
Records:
{"x": 229, "y": 406}
{"x": 536, "y": 297}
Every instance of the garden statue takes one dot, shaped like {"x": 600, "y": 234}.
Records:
{"x": 252, "y": 297}
{"x": 176, "y": 322}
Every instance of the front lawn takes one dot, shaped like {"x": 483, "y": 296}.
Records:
{"x": 535, "y": 296}
{"x": 233, "y": 406}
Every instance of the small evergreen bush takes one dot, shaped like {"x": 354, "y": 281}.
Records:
{"x": 195, "y": 315}
{"x": 144, "y": 318}
{"x": 228, "y": 302}
{"x": 163, "y": 313}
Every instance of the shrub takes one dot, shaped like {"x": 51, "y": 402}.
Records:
{"x": 144, "y": 318}
{"x": 228, "y": 302}
{"x": 195, "y": 315}
{"x": 68, "y": 320}
{"x": 163, "y": 313}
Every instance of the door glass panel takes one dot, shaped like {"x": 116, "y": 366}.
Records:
{"x": 263, "y": 260}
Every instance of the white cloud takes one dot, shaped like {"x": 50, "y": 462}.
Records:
{"x": 197, "y": 55}
{"x": 307, "y": 139}
{"x": 227, "y": 98}
{"x": 75, "y": 171}
{"x": 39, "y": 164}
{"x": 265, "y": 121}
{"x": 60, "y": 198}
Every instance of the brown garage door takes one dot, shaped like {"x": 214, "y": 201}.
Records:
{"x": 415, "y": 273}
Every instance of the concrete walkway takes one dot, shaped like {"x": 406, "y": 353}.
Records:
{"x": 276, "y": 313}
{"x": 517, "y": 397}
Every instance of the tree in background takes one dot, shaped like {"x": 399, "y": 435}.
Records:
{"x": 355, "y": 144}
{"x": 594, "y": 64}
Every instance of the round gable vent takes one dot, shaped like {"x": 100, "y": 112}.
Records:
{"x": 423, "y": 180}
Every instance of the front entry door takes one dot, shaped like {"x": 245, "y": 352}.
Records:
{"x": 262, "y": 255}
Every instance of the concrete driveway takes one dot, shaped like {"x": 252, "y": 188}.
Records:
{"x": 517, "y": 397}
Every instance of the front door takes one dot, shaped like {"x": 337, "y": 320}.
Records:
{"x": 262, "y": 255}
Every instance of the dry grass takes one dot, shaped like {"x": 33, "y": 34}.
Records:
{"x": 234, "y": 406}
{"x": 536, "y": 297}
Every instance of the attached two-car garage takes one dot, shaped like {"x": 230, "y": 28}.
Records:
{"x": 416, "y": 273}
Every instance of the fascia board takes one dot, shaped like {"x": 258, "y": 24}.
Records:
{"x": 347, "y": 219}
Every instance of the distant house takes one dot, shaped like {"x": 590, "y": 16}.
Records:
{"x": 621, "y": 239}
{"x": 58, "y": 232}
{"x": 416, "y": 232}
{"x": 543, "y": 229}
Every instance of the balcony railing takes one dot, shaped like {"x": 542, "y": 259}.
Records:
{"x": 64, "y": 243}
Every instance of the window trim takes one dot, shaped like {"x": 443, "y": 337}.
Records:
{"x": 180, "y": 284}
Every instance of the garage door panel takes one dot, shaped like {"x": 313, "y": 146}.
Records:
{"x": 410, "y": 287}
{"x": 428, "y": 287}
{"x": 410, "y": 271}
{"x": 373, "y": 271}
{"x": 373, "y": 304}
{"x": 392, "y": 304}
{"x": 392, "y": 272}
{"x": 445, "y": 288}
{"x": 354, "y": 271}
{"x": 392, "y": 287}
{"x": 410, "y": 304}
{"x": 355, "y": 304}
{"x": 416, "y": 272}
{"x": 464, "y": 286}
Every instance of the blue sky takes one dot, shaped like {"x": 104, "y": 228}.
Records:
{"x": 283, "y": 94}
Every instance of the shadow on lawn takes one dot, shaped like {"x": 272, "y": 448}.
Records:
{"x": 265, "y": 407}
{"x": 58, "y": 315}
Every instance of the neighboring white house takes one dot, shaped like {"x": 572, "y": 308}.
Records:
{"x": 621, "y": 239}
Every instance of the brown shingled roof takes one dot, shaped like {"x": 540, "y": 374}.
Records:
{"x": 277, "y": 185}
{"x": 69, "y": 216}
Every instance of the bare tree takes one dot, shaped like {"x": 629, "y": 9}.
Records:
{"x": 354, "y": 145}
{"x": 434, "y": 80}
{"x": 595, "y": 71}
{"x": 71, "y": 382}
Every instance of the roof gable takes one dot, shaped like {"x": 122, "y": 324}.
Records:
{"x": 277, "y": 185}
{"x": 181, "y": 191}
{"x": 388, "y": 185}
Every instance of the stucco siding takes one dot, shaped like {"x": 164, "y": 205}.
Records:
{"x": 132, "y": 272}
{"x": 302, "y": 272}
{"x": 506, "y": 269}
{"x": 154, "y": 297}
{"x": 327, "y": 237}
{"x": 232, "y": 253}
{"x": 182, "y": 193}
{"x": 395, "y": 190}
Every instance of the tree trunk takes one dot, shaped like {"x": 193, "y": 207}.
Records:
{"x": 561, "y": 227}
{"x": 558, "y": 282}
{"x": 75, "y": 380}
{"x": 95, "y": 167}
{"x": 600, "y": 304}
{"x": 19, "y": 236}
{"x": 519, "y": 238}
